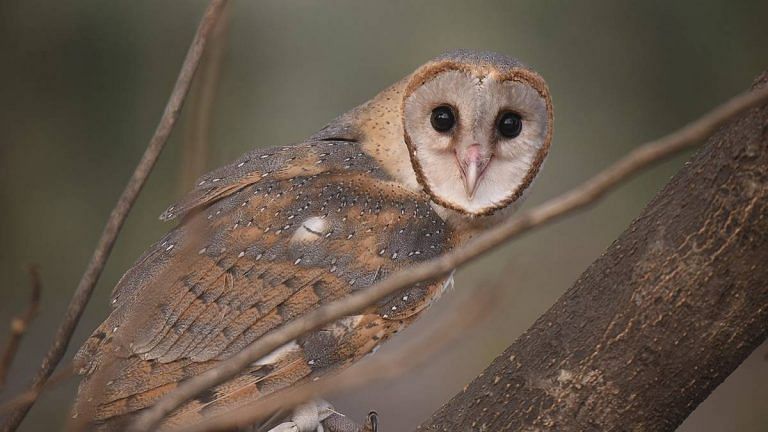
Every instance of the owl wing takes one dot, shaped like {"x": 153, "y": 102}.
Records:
{"x": 277, "y": 233}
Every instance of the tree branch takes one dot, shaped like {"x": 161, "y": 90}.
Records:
{"x": 577, "y": 198}
{"x": 655, "y": 324}
{"x": 20, "y": 323}
{"x": 124, "y": 204}
{"x": 59, "y": 377}
{"x": 194, "y": 157}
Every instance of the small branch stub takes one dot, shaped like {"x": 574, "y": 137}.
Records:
{"x": 20, "y": 324}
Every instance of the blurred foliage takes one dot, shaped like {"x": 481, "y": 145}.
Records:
{"x": 84, "y": 83}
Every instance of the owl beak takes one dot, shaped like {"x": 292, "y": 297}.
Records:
{"x": 472, "y": 166}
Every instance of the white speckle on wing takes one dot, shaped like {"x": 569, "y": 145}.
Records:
{"x": 311, "y": 229}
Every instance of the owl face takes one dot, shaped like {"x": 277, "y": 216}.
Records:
{"x": 477, "y": 130}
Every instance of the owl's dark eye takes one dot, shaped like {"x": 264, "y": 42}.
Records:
{"x": 510, "y": 125}
{"x": 442, "y": 118}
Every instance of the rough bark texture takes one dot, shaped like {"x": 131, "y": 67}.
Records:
{"x": 656, "y": 323}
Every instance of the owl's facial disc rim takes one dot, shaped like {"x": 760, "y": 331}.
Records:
{"x": 517, "y": 74}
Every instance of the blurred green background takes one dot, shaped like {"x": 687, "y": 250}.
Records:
{"x": 84, "y": 83}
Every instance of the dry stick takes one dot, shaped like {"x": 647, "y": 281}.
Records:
{"x": 20, "y": 323}
{"x": 60, "y": 377}
{"x": 466, "y": 313}
{"x": 201, "y": 98}
{"x": 120, "y": 212}
{"x": 586, "y": 193}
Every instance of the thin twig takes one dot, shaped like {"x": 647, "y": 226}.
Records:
{"x": 202, "y": 96}
{"x": 59, "y": 377}
{"x": 116, "y": 219}
{"x": 577, "y": 198}
{"x": 20, "y": 323}
{"x": 466, "y": 313}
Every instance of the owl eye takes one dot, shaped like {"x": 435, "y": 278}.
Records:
{"x": 510, "y": 125}
{"x": 443, "y": 118}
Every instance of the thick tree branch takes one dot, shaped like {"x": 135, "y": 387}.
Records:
{"x": 655, "y": 324}
{"x": 124, "y": 204}
{"x": 20, "y": 323}
{"x": 555, "y": 208}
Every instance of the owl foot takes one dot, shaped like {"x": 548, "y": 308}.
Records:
{"x": 338, "y": 422}
{"x": 319, "y": 416}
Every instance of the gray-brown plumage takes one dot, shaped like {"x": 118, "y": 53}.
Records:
{"x": 283, "y": 230}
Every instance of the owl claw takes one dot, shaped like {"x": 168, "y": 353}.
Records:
{"x": 338, "y": 422}
{"x": 371, "y": 422}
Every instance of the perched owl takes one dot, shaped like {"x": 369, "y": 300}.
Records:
{"x": 412, "y": 173}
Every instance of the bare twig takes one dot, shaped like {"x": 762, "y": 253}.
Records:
{"x": 59, "y": 377}
{"x": 466, "y": 313}
{"x": 120, "y": 212}
{"x": 20, "y": 323}
{"x": 194, "y": 159}
{"x": 577, "y": 198}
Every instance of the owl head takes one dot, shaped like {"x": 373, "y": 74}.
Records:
{"x": 478, "y": 126}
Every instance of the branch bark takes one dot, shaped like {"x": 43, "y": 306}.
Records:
{"x": 119, "y": 213}
{"x": 655, "y": 324}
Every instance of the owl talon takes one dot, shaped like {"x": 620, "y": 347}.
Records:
{"x": 338, "y": 422}
{"x": 371, "y": 422}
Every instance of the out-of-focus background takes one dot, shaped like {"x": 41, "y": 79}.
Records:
{"x": 83, "y": 84}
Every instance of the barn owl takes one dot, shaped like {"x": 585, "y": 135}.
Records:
{"x": 437, "y": 157}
